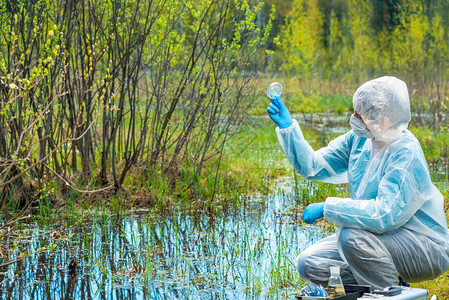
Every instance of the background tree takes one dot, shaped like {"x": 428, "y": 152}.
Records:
{"x": 94, "y": 90}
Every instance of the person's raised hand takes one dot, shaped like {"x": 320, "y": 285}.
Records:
{"x": 313, "y": 212}
{"x": 279, "y": 113}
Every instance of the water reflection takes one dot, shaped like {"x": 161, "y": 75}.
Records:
{"x": 244, "y": 253}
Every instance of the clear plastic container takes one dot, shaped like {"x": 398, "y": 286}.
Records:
{"x": 335, "y": 286}
{"x": 274, "y": 90}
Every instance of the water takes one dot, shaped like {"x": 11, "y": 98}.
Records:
{"x": 335, "y": 286}
{"x": 334, "y": 291}
{"x": 244, "y": 253}
{"x": 237, "y": 254}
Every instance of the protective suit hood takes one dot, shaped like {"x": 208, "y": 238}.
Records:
{"x": 384, "y": 106}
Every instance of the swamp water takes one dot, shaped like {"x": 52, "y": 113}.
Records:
{"x": 243, "y": 253}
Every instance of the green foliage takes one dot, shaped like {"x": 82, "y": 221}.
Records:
{"x": 408, "y": 43}
{"x": 301, "y": 38}
{"x": 93, "y": 91}
{"x": 362, "y": 52}
{"x": 347, "y": 43}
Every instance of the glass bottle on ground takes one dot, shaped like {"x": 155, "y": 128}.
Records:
{"x": 335, "y": 286}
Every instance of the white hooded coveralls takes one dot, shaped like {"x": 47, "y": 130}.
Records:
{"x": 393, "y": 225}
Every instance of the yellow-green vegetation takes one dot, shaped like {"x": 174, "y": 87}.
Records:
{"x": 438, "y": 286}
{"x": 136, "y": 98}
{"x": 331, "y": 48}
{"x": 356, "y": 40}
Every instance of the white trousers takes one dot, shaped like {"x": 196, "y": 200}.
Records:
{"x": 374, "y": 259}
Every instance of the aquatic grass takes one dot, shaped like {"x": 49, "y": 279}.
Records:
{"x": 69, "y": 208}
{"x": 283, "y": 277}
{"x": 149, "y": 252}
{"x": 103, "y": 269}
{"x": 45, "y": 210}
{"x": 313, "y": 191}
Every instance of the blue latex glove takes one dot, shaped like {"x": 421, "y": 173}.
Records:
{"x": 313, "y": 212}
{"x": 279, "y": 113}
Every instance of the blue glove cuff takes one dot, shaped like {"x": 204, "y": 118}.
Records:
{"x": 287, "y": 125}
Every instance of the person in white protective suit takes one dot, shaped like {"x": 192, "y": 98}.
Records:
{"x": 393, "y": 225}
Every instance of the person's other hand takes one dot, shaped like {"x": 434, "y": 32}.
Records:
{"x": 313, "y": 212}
{"x": 279, "y": 113}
